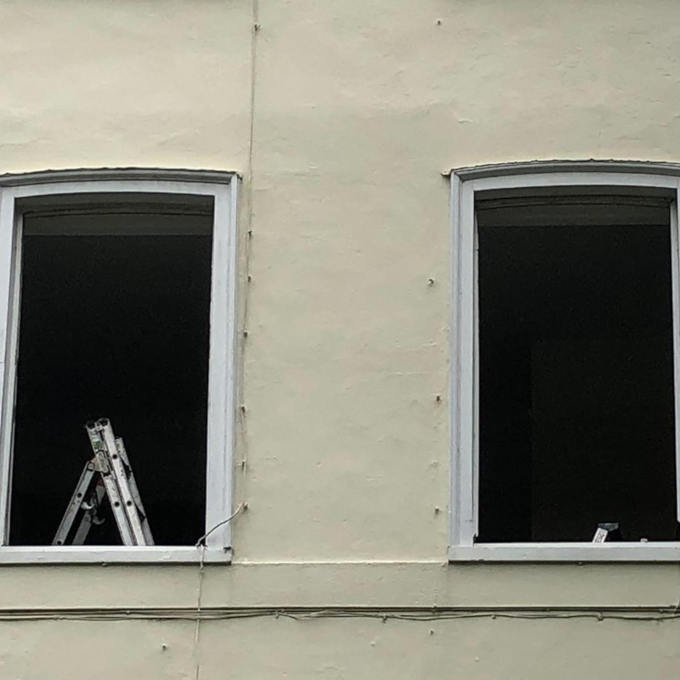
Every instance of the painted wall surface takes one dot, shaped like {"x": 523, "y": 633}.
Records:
{"x": 341, "y": 117}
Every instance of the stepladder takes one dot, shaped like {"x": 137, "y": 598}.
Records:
{"x": 108, "y": 474}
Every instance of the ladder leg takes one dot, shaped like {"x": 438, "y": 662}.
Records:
{"x": 134, "y": 491}
{"x": 88, "y": 517}
{"x": 121, "y": 477}
{"x": 103, "y": 463}
{"x": 74, "y": 504}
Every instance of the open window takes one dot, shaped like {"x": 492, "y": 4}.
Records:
{"x": 565, "y": 423}
{"x": 119, "y": 307}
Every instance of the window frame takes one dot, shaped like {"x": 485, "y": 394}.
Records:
{"x": 223, "y": 188}
{"x": 464, "y": 369}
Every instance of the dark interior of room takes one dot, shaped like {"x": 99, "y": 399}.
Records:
{"x": 576, "y": 371}
{"x": 116, "y": 325}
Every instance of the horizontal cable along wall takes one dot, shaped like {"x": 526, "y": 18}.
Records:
{"x": 414, "y": 614}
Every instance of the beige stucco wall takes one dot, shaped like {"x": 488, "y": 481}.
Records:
{"x": 361, "y": 650}
{"x": 340, "y": 116}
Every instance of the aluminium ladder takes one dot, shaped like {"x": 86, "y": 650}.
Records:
{"x": 108, "y": 473}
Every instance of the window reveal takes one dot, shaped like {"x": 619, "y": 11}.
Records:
{"x": 114, "y": 322}
{"x": 576, "y": 370}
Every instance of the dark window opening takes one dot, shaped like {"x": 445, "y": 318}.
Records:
{"x": 114, "y": 322}
{"x": 576, "y": 403}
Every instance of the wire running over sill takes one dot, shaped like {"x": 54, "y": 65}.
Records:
{"x": 652, "y": 551}
{"x": 78, "y": 554}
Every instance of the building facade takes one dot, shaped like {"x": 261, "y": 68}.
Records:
{"x": 342, "y": 121}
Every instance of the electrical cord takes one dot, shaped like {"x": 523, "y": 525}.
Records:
{"x": 201, "y": 541}
{"x": 424, "y": 615}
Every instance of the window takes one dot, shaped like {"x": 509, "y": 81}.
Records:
{"x": 117, "y": 301}
{"x": 565, "y": 354}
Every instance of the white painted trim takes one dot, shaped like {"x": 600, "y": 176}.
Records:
{"x": 657, "y": 551}
{"x": 675, "y": 286}
{"x": 232, "y": 348}
{"x": 9, "y": 395}
{"x": 466, "y": 363}
{"x": 464, "y": 511}
{"x": 114, "y": 187}
{"x": 10, "y": 263}
{"x": 462, "y": 415}
{"x": 127, "y": 174}
{"x": 221, "y": 373}
{"x": 551, "y": 166}
{"x": 573, "y": 179}
{"x": 79, "y": 554}
{"x": 455, "y": 508}
{"x": 221, "y": 387}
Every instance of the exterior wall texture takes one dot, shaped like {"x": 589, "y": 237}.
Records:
{"x": 341, "y": 118}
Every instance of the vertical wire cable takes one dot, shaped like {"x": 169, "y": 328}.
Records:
{"x": 255, "y": 26}
{"x": 197, "y": 627}
{"x": 249, "y": 177}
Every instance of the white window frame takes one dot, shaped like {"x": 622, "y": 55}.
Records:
{"x": 464, "y": 500}
{"x": 222, "y": 187}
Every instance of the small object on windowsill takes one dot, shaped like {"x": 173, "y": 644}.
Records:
{"x": 607, "y": 530}
{"x": 644, "y": 540}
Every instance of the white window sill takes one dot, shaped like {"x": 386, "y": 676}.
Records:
{"x": 653, "y": 551}
{"x": 77, "y": 554}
